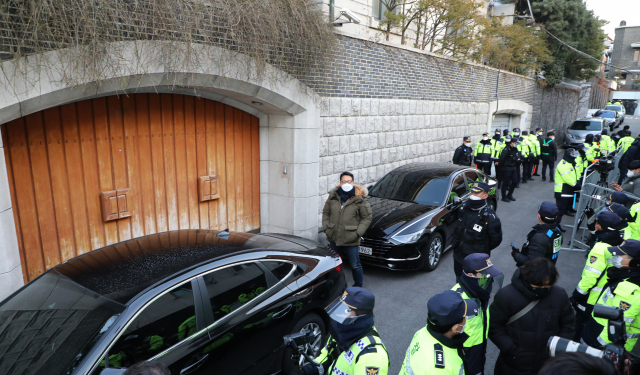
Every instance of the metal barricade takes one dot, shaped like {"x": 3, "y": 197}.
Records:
{"x": 593, "y": 194}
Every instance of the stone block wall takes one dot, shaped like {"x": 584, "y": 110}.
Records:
{"x": 555, "y": 108}
{"x": 370, "y": 137}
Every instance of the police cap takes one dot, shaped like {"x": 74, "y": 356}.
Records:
{"x": 589, "y": 138}
{"x": 480, "y": 187}
{"x": 538, "y": 129}
{"x": 570, "y": 152}
{"x": 512, "y": 140}
{"x": 605, "y": 131}
{"x": 448, "y": 308}
{"x": 524, "y": 132}
{"x": 466, "y": 138}
{"x": 359, "y": 298}
{"x": 579, "y": 146}
{"x": 628, "y": 133}
{"x": 622, "y": 212}
{"x": 548, "y": 211}
{"x": 480, "y": 262}
{"x": 516, "y": 130}
{"x": 608, "y": 220}
{"x": 618, "y": 197}
{"x": 497, "y": 131}
{"x": 628, "y": 247}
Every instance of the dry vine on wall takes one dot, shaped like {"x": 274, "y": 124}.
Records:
{"x": 87, "y": 37}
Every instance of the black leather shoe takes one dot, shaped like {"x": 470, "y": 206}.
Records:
{"x": 551, "y": 181}
{"x": 570, "y": 214}
{"x": 524, "y": 181}
{"x": 511, "y": 198}
{"x": 544, "y": 179}
{"x": 562, "y": 229}
{"x": 535, "y": 174}
{"x": 517, "y": 186}
{"x": 504, "y": 199}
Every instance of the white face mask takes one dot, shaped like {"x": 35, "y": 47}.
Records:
{"x": 462, "y": 330}
{"x": 468, "y": 144}
{"x": 516, "y": 134}
{"x": 552, "y": 138}
{"x": 539, "y": 133}
{"x": 630, "y": 173}
{"x": 485, "y": 138}
{"x": 617, "y": 261}
{"x": 474, "y": 198}
{"x": 347, "y": 188}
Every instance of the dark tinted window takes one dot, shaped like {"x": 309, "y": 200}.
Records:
{"x": 165, "y": 322}
{"x": 50, "y": 325}
{"x": 605, "y": 114}
{"x": 586, "y": 125}
{"x": 614, "y": 108}
{"x": 459, "y": 187}
{"x": 412, "y": 186}
{"x": 232, "y": 287}
{"x": 279, "y": 269}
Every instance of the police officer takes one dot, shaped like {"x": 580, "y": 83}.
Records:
{"x": 464, "y": 153}
{"x": 479, "y": 229}
{"x": 508, "y": 163}
{"x": 534, "y": 148}
{"x": 528, "y": 152}
{"x": 594, "y": 273}
{"x": 354, "y": 346}
{"x": 544, "y": 241}
{"x": 438, "y": 347}
{"x": 615, "y": 197}
{"x": 479, "y": 281}
{"x": 483, "y": 154}
{"x": 497, "y": 144}
{"x": 566, "y": 180}
{"x": 622, "y": 291}
{"x": 606, "y": 143}
{"x": 548, "y": 155}
{"x": 539, "y": 139}
{"x": 589, "y": 142}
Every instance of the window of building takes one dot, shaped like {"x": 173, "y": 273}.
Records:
{"x": 378, "y": 8}
{"x": 636, "y": 54}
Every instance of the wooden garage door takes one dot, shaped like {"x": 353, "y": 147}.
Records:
{"x": 157, "y": 145}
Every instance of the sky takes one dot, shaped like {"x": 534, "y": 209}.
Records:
{"x": 615, "y": 11}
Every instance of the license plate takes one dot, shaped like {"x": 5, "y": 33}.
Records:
{"x": 366, "y": 250}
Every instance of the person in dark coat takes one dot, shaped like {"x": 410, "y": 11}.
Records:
{"x": 464, "y": 153}
{"x": 544, "y": 241}
{"x": 548, "y": 155}
{"x": 479, "y": 229}
{"x": 523, "y": 342}
{"x": 508, "y": 163}
{"x": 632, "y": 153}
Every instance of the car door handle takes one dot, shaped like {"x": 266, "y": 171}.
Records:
{"x": 195, "y": 366}
{"x": 282, "y": 312}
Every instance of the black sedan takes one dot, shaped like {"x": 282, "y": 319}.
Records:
{"x": 415, "y": 214}
{"x": 612, "y": 118}
{"x": 199, "y": 301}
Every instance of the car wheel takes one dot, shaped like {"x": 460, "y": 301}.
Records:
{"x": 432, "y": 250}
{"x": 311, "y": 322}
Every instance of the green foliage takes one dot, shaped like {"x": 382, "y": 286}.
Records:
{"x": 553, "y": 72}
{"x": 518, "y": 47}
{"x": 573, "y": 23}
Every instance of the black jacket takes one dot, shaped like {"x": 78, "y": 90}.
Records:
{"x": 523, "y": 343}
{"x": 542, "y": 242}
{"x": 463, "y": 155}
{"x": 632, "y": 153}
{"x": 548, "y": 150}
{"x": 478, "y": 231}
{"x": 508, "y": 159}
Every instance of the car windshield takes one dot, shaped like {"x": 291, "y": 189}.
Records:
{"x": 606, "y": 114}
{"x": 586, "y": 125}
{"x": 412, "y": 187}
{"x": 50, "y": 325}
{"x": 614, "y": 108}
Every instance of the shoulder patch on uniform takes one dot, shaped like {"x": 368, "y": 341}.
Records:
{"x": 592, "y": 259}
{"x": 372, "y": 370}
{"x": 624, "y": 306}
{"x": 438, "y": 355}
{"x": 348, "y": 356}
{"x": 549, "y": 233}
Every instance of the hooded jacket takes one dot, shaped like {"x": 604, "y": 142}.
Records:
{"x": 632, "y": 185}
{"x": 632, "y": 153}
{"x": 523, "y": 343}
{"x": 345, "y": 222}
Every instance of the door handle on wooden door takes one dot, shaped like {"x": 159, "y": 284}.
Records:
{"x": 282, "y": 312}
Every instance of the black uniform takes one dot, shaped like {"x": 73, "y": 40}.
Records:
{"x": 463, "y": 155}
{"x": 543, "y": 241}
{"x": 479, "y": 231}
{"x": 508, "y": 163}
{"x": 548, "y": 155}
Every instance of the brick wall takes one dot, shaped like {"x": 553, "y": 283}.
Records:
{"x": 555, "y": 108}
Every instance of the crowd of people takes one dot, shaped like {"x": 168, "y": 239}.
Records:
{"x": 521, "y": 317}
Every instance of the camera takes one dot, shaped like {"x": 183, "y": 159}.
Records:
{"x": 299, "y": 343}
{"x": 605, "y": 164}
{"x": 614, "y": 352}
{"x": 350, "y": 16}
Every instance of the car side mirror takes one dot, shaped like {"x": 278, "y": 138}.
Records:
{"x": 370, "y": 186}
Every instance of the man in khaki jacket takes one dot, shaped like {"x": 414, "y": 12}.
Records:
{"x": 345, "y": 217}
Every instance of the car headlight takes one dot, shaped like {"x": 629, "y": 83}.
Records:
{"x": 569, "y": 135}
{"x": 408, "y": 238}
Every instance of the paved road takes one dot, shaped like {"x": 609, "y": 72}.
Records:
{"x": 401, "y": 297}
